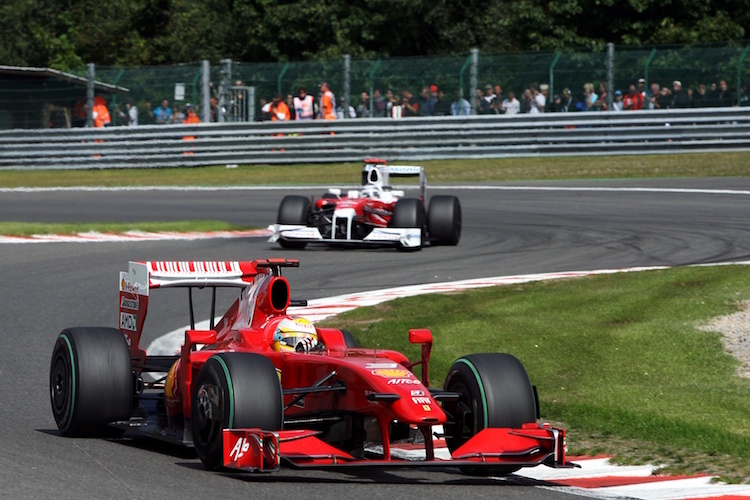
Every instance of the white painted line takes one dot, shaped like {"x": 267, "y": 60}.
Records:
{"x": 469, "y": 187}
{"x": 96, "y": 237}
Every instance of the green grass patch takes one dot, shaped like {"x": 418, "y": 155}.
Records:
{"x": 618, "y": 359}
{"x": 30, "y": 228}
{"x": 490, "y": 170}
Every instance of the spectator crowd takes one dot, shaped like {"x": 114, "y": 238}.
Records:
{"x": 433, "y": 101}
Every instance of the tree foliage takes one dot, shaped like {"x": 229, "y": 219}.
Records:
{"x": 66, "y": 34}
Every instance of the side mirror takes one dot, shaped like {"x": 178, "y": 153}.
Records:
{"x": 420, "y": 336}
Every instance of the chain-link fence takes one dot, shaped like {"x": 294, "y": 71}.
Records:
{"x": 710, "y": 75}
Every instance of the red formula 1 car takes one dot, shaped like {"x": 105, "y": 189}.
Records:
{"x": 376, "y": 214}
{"x": 266, "y": 388}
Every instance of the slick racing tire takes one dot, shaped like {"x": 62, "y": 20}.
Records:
{"x": 444, "y": 220}
{"x": 91, "y": 381}
{"x": 495, "y": 391}
{"x": 293, "y": 210}
{"x": 409, "y": 212}
{"x": 233, "y": 390}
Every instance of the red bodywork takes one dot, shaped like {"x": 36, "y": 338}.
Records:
{"x": 379, "y": 385}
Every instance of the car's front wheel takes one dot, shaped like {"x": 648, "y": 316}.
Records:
{"x": 409, "y": 213}
{"x": 293, "y": 210}
{"x": 233, "y": 390}
{"x": 495, "y": 391}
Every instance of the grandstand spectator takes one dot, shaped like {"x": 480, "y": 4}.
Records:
{"x": 617, "y": 101}
{"x": 642, "y": 87}
{"x": 380, "y": 104}
{"x": 600, "y": 104}
{"x": 724, "y": 97}
{"x": 344, "y": 110}
{"x": 460, "y": 106}
{"x": 363, "y": 110}
{"x": 162, "y": 115}
{"x": 290, "y": 105}
{"x": 544, "y": 90}
{"x": 564, "y": 102}
{"x": 393, "y": 105}
{"x": 486, "y": 103}
{"x": 177, "y": 115}
{"x": 679, "y": 96}
{"x": 538, "y": 101}
{"x": 427, "y": 106}
{"x": 132, "y": 110}
{"x": 499, "y": 97}
{"x": 214, "y": 103}
{"x": 511, "y": 105}
{"x": 633, "y": 100}
{"x": 589, "y": 97}
{"x": 700, "y": 97}
{"x": 409, "y": 103}
{"x": 664, "y": 99}
{"x": 652, "y": 96}
{"x": 744, "y": 98}
{"x": 304, "y": 105}
{"x": 442, "y": 105}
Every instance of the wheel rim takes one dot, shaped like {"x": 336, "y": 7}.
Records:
{"x": 61, "y": 385}
{"x": 209, "y": 414}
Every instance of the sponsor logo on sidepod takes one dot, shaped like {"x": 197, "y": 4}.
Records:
{"x": 127, "y": 303}
{"x": 392, "y": 373}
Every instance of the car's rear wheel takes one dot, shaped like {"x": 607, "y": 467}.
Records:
{"x": 444, "y": 220}
{"x": 233, "y": 390}
{"x": 91, "y": 381}
{"x": 408, "y": 213}
{"x": 495, "y": 391}
{"x": 293, "y": 210}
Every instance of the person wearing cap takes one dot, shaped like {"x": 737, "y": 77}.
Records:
{"x": 327, "y": 102}
{"x": 567, "y": 102}
{"x": 617, "y": 101}
{"x": 679, "y": 96}
{"x": 427, "y": 107}
{"x": 642, "y": 87}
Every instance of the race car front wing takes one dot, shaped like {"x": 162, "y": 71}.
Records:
{"x": 410, "y": 237}
{"x": 528, "y": 446}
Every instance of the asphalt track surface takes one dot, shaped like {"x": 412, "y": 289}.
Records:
{"x": 507, "y": 230}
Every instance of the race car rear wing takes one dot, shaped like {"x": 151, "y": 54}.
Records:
{"x": 141, "y": 277}
{"x": 386, "y": 171}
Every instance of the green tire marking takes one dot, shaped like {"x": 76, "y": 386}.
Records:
{"x": 73, "y": 384}
{"x": 481, "y": 388}
{"x": 230, "y": 390}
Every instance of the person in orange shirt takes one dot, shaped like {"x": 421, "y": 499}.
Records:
{"x": 100, "y": 113}
{"x": 191, "y": 116}
{"x": 327, "y": 103}
{"x": 279, "y": 109}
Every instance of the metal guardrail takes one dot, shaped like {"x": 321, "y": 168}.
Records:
{"x": 319, "y": 141}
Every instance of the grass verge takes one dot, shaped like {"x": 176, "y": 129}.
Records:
{"x": 490, "y": 170}
{"x": 618, "y": 359}
{"x": 30, "y": 228}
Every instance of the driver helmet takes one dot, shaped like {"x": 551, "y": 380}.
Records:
{"x": 295, "y": 335}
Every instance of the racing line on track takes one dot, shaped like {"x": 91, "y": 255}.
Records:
{"x": 596, "y": 477}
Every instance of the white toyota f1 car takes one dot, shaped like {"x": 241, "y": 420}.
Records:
{"x": 375, "y": 214}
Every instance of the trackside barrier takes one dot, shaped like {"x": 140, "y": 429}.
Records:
{"x": 324, "y": 141}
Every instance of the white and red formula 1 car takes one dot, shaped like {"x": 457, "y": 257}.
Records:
{"x": 376, "y": 214}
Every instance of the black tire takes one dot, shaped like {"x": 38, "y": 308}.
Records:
{"x": 349, "y": 339}
{"x": 495, "y": 392}
{"x": 444, "y": 220}
{"x": 91, "y": 381}
{"x": 409, "y": 212}
{"x": 294, "y": 210}
{"x": 246, "y": 393}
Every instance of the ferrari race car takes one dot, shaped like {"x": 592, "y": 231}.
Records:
{"x": 375, "y": 214}
{"x": 262, "y": 388}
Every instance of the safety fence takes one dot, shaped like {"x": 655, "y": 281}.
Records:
{"x": 323, "y": 141}
{"x": 239, "y": 89}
